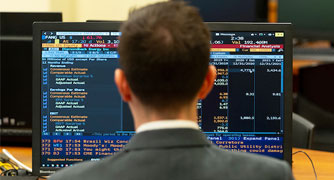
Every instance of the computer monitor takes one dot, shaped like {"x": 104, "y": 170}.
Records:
{"x": 312, "y": 20}
{"x": 249, "y": 107}
{"x": 20, "y": 23}
{"x": 79, "y": 115}
{"x": 232, "y": 11}
{"x": 16, "y": 74}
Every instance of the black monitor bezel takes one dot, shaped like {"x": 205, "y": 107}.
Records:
{"x": 114, "y": 26}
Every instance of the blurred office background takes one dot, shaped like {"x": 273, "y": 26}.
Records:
{"x": 77, "y": 10}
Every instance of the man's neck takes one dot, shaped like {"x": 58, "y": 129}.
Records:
{"x": 144, "y": 114}
{"x": 167, "y": 124}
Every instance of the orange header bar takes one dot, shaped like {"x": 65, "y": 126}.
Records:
{"x": 223, "y": 49}
{"x": 46, "y": 45}
{"x": 260, "y": 50}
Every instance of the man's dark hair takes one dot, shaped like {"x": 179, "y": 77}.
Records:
{"x": 164, "y": 51}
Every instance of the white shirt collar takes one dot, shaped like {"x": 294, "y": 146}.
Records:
{"x": 167, "y": 124}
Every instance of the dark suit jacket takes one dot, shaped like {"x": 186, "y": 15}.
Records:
{"x": 175, "y": 154}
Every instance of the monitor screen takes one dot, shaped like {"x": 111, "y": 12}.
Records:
{"x": 245, "y": 109}
{"x": 80, "y": 115}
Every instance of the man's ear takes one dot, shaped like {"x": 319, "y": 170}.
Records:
{"x": 122, "y": 85}
{"x": 208, "y": 82}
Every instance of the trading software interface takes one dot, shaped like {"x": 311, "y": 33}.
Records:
{"x": 84, "y": 118}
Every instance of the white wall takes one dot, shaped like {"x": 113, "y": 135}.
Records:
{"x": 24, "y": 5}
{"x": 77, "y": 10}
{"x": 107, "y": 9}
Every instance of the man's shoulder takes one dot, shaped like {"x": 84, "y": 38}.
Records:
{"x": 212, "y": 160}
{"x": 257, "y": 165}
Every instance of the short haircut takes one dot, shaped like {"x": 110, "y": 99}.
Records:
{"x": 164, "y": 52}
